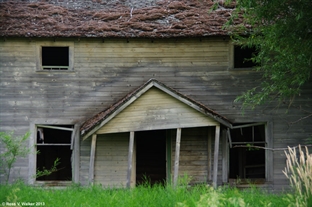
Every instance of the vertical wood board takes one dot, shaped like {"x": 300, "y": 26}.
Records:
{"x": 193, "y": 154}
{"x": 216, "y": 157}
{"x": 177, "y": 157}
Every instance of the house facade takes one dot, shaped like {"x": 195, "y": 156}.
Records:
{"x": 129, "y": 91}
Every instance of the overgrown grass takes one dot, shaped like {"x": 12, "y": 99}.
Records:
{"x": 144, "y": 195}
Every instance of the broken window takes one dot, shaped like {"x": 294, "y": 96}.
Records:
{"x": 55, "y": 142}
{"x": 242, "y": 57}
{"x": 55, "y": 58}
{"x": 247, "y": 156}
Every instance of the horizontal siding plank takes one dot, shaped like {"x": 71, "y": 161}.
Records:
{"x": 111, "y": 159}
{"x": 84, "y": 52}
{"x": 84, "y": 66}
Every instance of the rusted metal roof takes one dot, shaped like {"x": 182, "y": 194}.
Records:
{"x": 94, "y": 123}
{"x": 116, "y": 18}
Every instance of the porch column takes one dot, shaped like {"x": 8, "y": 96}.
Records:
{"x": 177, "y": 158}
{"x": 92, "y": 157}
{"x": 76, "y": 152}
{"x": 215, "y": 157}
{"x": 209, "y": 154}
{"x": 130, "y": 155}
{"x": 225, "y": 156}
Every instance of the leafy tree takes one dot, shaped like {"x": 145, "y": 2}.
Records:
{"x": 281, "y": 32}
{"x": 14, "y": 148}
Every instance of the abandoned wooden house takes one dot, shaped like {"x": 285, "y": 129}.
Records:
{"x": 127, "y": 91}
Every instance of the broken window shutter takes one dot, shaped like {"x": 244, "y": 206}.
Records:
{"x": 241, "y": 128}
{"x": 55, "y": 127}
{"x": 248, "y": 125}
{"x": 41, "y": 134}
{"x": 229, "y": 137}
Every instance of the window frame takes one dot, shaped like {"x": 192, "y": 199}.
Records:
{"x": 40, "y": 67}
{"x": 268, "y": 131}
{"x": 74, "y": 146}
{"x": 232, "y": 59}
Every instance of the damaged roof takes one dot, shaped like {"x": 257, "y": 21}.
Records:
{"x": 100, "y": 119}
{"x": 115, "y": 18}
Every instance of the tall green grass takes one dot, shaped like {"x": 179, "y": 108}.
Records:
{"x": 144, "y": 195}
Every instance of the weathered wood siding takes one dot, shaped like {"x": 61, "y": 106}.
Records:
{"x": 193, "y": 154}
{"x": 85, "y": 149}
{"x": 106, "y": 71}
{"x": 111, "y": 159}
{"x": 156, "y": 110}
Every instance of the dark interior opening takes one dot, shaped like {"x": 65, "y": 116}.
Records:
{"x": 247, "y": 162}
{"x": 55, "y": 56}
{"x": 56, "y": 144}
{"x": 242, "y": 57}
{"x": 151, "y": 157}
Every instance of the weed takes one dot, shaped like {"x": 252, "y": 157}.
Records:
{"x": 299, "y": 172}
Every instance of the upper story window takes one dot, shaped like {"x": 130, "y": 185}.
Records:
{"x": 242, "y": 57}
{"x": 55, "y": 58}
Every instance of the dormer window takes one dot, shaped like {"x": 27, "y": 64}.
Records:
{"x": 242, "y": 57}
{"x": 55, "y": 58}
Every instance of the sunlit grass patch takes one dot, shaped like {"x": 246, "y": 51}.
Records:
{"x": 143, "y": 195}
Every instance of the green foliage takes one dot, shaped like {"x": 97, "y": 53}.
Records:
{"x": 282, "y": 34}
{"x": 216, "y": 198}
{"x": 46, "y": 172}
{"x": 14, "y": 148}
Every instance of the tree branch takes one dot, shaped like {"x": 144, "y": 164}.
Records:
{"x": 267, "y": 148}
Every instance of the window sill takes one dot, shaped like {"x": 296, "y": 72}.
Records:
{"x": 245, "y": 183}
{"x": 247, "y": 68}
{"x": 53, "y": 183}
{"x": 55, "y": 71}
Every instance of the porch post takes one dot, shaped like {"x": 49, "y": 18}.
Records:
{"x": 215, "y": 157}
{"x": 177, "y": 157}
{"x": 92, "y": 157}
{"x": 130, "y": 155}
{"x": 76, "y": 152}
{"x": 209, "y": 154}
{"x": 225, "y": 156}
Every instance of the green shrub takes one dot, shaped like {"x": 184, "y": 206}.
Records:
{"x": 14, "y": 148}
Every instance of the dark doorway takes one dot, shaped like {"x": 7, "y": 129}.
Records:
{"x": 151, "y": 157}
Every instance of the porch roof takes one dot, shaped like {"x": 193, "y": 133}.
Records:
{"x": 126, "y": 19}
{"x": 100, "y": 119}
